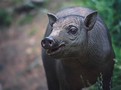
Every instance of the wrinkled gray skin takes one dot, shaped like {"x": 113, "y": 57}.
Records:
{"x": 87, "y": 54}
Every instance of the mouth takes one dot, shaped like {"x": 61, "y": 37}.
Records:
{"x": 55, "y": 50}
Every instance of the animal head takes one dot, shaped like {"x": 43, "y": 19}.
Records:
{"x": 68, "y": 37}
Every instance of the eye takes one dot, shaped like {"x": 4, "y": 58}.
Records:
{"x": 72, "y": 29}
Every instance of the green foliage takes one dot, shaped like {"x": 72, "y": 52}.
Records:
{"x": 117, "y": 88}
{"x": 5, "y": 18}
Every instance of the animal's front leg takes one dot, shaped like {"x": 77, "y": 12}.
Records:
{"x": 107, "y": 77}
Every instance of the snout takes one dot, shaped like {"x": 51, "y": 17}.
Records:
{"x": 49, "y": 43}
{"x": 52, "y": 46}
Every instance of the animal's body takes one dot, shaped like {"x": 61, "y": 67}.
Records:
{"x": 77, "y": 50}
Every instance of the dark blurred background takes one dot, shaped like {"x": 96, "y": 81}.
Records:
{"x": 22, "y": 26}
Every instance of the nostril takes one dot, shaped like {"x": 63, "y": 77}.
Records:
{"x": 43, "y": 43}
{"x": 51, "y": 43}
{"x": 47, "y": 43}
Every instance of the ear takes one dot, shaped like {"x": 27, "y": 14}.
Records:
{"x": 52, "y": 18}
{"x": 90, "y": 20}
